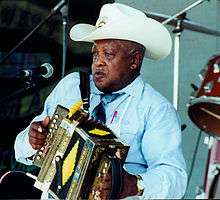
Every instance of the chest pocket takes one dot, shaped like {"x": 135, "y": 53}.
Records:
{"x": 129, "y": 128}
{"x": 133, "y": 124}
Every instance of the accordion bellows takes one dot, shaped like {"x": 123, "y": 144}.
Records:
{"x": 76, "y": 155}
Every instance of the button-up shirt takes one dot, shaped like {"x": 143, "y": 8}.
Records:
{"x": 142, "y": 118}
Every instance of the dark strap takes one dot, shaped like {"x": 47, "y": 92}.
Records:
{"x": 85, "y": 89}
{"x": 117, "y": 179}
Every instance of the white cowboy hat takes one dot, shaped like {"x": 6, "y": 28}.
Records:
{"x": 119, "y": 21}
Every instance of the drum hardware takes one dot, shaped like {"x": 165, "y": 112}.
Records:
{"x": 193, "y": 93}
{"x": 214, "y": 170}
{"x": 202, "y": 74}
{"x": 210, "y": 188}
{"x": 194, "y": 158}
{"x": 178, "y": 31}
{"x": 187, "y": 24}
{"x": 209, "y": 141}
{"x": 208, "y": 87}
{"x": 200, "y": 194}
{"x": 180, "y": 22}
{"x": 216, "y": 68}
{"x": 195, "y": 88}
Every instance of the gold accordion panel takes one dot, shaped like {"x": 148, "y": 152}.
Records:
{"x": 77, "y": 154}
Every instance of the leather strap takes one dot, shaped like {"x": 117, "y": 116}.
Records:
{"x": 117, "y": 179}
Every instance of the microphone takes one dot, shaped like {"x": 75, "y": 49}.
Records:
{"x": 45, "y": 70}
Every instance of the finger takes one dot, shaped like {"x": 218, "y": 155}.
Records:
{"x": 46, "y": 122}
{"x": 106, "y": 186}
{"x": 37, "y": 128}
{"x": 36, "y": 141}
{"x": 36, "y": 147}
{"x": 104, "y": 194}
{"x": 37, "y": 135}
{"x": 106, "y": 182}
{"x": 106, "y": 178}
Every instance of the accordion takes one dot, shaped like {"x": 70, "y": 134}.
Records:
{"x": 77, "y": 154}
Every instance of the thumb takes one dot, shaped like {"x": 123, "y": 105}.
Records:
{"x": 46, "y": 121}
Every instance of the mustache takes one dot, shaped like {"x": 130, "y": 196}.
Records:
{"x": 99, "y": 72}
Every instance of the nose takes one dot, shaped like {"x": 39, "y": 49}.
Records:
{"x": 98, "y": 61}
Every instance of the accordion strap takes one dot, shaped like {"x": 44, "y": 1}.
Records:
{"x": 117, "y": 179}
{"x": 85, "y": 89}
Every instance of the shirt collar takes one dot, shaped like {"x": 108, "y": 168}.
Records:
{"x": 134, "y": 89}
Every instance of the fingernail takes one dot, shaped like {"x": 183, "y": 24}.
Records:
{"x": 39, "y": 129}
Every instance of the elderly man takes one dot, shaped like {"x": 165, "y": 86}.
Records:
{"x": 122, "y": 37}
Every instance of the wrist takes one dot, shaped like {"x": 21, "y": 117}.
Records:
{"x": 140, "y": 185}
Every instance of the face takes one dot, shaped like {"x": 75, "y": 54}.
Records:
{"x": 112, "y": 66}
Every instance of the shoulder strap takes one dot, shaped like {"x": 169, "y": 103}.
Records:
{"x": 85, "y": 89}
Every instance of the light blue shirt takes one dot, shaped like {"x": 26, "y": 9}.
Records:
{"x": 142, "y": 118}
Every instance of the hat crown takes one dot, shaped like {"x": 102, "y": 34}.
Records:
{"x": 122, "y": 22}
{"x": 113, "y": 12}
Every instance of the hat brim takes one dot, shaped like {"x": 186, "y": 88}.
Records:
{"x": 150, "y": 33}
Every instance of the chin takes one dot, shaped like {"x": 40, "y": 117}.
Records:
{"x": 99, "y": 86}
{"x": 102, "y": 87}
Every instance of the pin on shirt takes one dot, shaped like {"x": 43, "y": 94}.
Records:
{"x": 114, "y": 116}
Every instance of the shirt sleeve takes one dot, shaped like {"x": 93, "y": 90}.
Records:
{"x": 161, "y": 146}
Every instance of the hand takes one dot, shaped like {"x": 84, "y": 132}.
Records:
{"x": 38, "y": 133}
{"x": 129, "y": 185}
{"x": 105, "y": 187}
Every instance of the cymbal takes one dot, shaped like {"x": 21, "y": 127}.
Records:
{"x": 187, "y": 24}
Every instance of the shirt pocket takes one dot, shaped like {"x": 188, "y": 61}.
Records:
{"x": 128, "y": 133}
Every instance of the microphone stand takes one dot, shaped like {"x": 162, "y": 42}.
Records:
{"x": 64, "y": 12}
{"x": 178, "y": 31}
{"x": 29, "y": 87}
{"x": 54, "y": 11}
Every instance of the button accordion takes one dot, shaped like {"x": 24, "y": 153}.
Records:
{"x": 78, "y": 153}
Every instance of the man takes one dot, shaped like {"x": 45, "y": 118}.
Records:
{"x": 154, "y": 167}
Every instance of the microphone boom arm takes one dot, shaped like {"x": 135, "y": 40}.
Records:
{"x": 53, "y": 12}
{"x": 183, "y": 11}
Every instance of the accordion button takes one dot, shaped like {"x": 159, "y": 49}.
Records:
{"x": 56, "y": 116}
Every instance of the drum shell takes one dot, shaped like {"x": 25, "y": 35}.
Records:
{"x": 204, "y": 105}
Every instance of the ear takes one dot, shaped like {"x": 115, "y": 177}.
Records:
{"x": 136, "y": 60}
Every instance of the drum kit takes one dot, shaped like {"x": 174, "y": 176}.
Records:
{"x": 204, "y": 111}
{"x": 204, "y": 103}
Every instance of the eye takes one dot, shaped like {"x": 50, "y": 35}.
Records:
{"x": 109, "y": 55}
